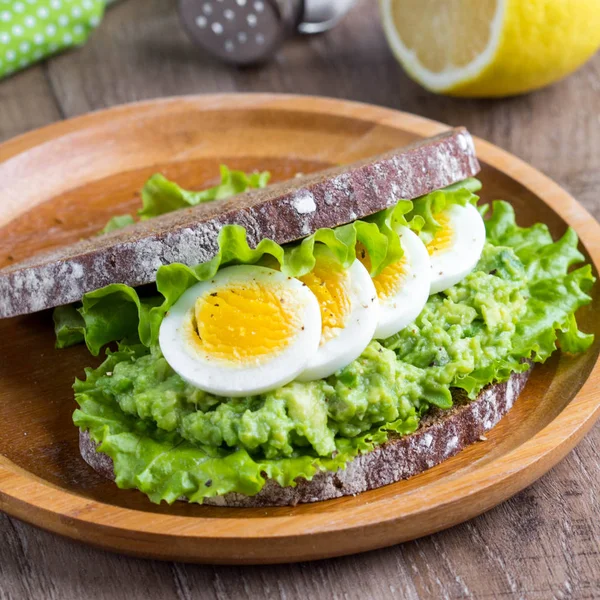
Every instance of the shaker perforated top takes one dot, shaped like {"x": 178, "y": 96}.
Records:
{"x": 240, "y": 31}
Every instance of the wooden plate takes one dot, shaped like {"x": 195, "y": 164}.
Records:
{"x": 63, "y": 182}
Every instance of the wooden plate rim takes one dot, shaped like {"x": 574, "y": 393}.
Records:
{"x": 46, "y": 505}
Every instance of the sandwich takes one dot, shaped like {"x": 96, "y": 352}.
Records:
{"x": 278, "y": 344}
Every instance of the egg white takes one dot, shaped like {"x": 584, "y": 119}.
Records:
{"x": 359, "y": 327}
{"x": 402, "y": 308}
{"x": 236, "y": 378}
{"x": 452, "y": 264}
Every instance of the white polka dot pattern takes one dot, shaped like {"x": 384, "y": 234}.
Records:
{"x": 32, "y": 30}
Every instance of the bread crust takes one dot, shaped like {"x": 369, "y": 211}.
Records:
{"x": 283, "y": 212}
{"x": 441, "y": 435}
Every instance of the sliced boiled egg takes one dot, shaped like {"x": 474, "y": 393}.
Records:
{"x": 456, "y": 247}
{"x": 402, "y": 287}
{"x": 247, "y": 330}
{"x": 349, "y": 314}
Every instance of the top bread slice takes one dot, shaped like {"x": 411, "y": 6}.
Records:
{"x": 283, "y": 212}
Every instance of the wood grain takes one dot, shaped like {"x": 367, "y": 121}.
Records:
{"x": 545, "y": 541}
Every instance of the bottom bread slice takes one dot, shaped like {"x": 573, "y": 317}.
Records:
{"x": 441, "y": 434}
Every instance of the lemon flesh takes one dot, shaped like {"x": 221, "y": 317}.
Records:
{"x": 487, "y": 48}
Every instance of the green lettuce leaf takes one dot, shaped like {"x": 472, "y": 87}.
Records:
{"x": 69, "y": 326}
{"x": 165, "y": 466}
{"x": 555, "y": 290}
{"x": 117, "y": 222}
{"x": 571, "y": 339}
{"x": 427, "y": 207}
{"x": 161, "y": 196}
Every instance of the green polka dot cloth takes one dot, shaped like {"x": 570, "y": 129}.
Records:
{"x": 32, "y": 30}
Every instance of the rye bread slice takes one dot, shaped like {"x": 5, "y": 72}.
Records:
{"x": 283, "y": 212}
{"x": 441, "y": 434}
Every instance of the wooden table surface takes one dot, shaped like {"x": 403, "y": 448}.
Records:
{"x": 544, "y": 542}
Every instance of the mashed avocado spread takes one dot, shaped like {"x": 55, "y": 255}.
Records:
{"x": 170, "y": 439}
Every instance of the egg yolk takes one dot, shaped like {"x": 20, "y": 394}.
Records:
{"x": 390, "y": 280}
{"x": 328, "y": 281}
{"x": 442, "y": 239}
{"x": 245, "y": 323}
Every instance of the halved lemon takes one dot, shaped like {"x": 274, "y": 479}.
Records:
{"x": 486, "y": 48}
